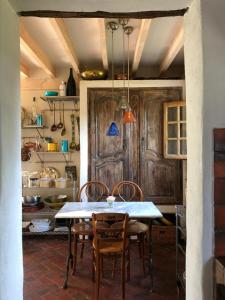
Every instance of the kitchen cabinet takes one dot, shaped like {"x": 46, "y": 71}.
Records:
{"x": 137, "y": 153}
{"x": 180, "y": 246}
{"x": 175, "y": 140}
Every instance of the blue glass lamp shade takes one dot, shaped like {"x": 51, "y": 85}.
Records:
{"x": 113, "y": 130}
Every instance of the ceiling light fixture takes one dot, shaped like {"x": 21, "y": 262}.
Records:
{"x": 113, "y": 129}
{"x": 128, "y": 115}
{"x": 123, "y": 102}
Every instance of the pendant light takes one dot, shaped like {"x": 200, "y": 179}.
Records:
{"x": 113, "y": 129}
{"x": 123, "y": 105}
{"x": 128, "y": 115}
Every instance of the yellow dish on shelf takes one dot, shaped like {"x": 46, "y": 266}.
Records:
{"x": 93, "y": 75}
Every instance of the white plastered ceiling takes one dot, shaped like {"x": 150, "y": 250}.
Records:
{"x": 84, "y": 34}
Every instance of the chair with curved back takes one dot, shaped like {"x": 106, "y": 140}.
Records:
{"x": 110, "y": 241}
{"x": 92, "y": 191}
{"x": 130, "y": 191}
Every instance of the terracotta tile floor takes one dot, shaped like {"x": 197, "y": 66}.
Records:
{"x": 44, "y": 268}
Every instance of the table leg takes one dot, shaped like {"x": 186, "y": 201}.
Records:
{"x": 150, "y": 255}
{"x": 69, "y": 260}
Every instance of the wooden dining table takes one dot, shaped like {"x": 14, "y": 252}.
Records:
{"x": 84, "y": 210}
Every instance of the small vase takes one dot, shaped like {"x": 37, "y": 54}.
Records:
{"x": 71, "y": 85}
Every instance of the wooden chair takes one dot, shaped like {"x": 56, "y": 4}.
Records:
{"x": 91, "y": 191}
{"x": 130, "y": 191}
{"x": 110, "y": 241}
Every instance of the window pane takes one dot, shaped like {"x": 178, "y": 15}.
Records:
{"x": 172, "y": 130}
{"x": 172, "y": 147}
{"x": 183, "y": 147}
{"x": 183, "y": 130}
{"x": 172, "y": 114}
{"x": 183, "y": 113}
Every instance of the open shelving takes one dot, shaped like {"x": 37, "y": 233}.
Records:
{"x": 41, "y": 155}
{"x": 51, "y": 99}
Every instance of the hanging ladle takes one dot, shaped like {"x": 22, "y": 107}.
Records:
{"x": 60, "y": 125}
{"x": 54, "y": 127}
{"x": 63, "y": 132}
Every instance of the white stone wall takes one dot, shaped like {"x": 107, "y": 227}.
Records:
{"x": 11, "y": 262}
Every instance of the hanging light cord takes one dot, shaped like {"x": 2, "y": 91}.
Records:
{"x": 128, "y": 69}
{"x": 123, "y": 61}
{"x": 112, "y": 66}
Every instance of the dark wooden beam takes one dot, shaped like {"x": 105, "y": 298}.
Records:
{"x": 103, "y": 14}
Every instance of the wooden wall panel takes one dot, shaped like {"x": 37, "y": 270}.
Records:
{"x": 219, "y": 190}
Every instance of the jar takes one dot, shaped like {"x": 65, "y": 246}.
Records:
{"x": 33, "y": 182}
{"x": 46, "y": 182}
{"x": 61, "y": 183}
{"x": 52, "y": 147}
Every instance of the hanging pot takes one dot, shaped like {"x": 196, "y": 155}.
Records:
{"x": 25, "y": 154}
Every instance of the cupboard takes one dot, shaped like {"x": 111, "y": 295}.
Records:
{"x": 137, "y": 154}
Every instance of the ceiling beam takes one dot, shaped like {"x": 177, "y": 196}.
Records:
{"x": 24, "y": 70}
{"x": 173, "y": 50}
{"x": 103, "y": 44}
{"x": 104, "y": 14}
{"x": 59, "y": 27}
{"x": 142, "y": 36}
{"x": 32, "y": 50}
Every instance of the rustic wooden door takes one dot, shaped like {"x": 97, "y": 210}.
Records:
{"x": 160, "y": 178}
{"x": 137, "y": 154}
{"x": 109, "y": 159}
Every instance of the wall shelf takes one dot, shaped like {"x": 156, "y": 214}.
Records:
{"x": 34, "y": 127}
{"x": 52, "y": 99}
{"x": 66, "y": 156}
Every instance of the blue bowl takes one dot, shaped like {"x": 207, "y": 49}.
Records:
{"x": 51, "y": 93}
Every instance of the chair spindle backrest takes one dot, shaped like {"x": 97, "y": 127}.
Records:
{"x": 127, "y": 191}
{"x": 93, "y": 191}
{"x": 108, "y": 233}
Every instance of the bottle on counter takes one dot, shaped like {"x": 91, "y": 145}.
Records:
{"x": 71, "y": 85}
{"x": 62, "y": 88}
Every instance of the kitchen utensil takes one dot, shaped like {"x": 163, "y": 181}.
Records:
{"x": 46, "y": 182}
{"x": 64, "y": 146}
{"x": 61, "y": 183}
{"x": 54, "y": 127}
{"x": 52, "y": 147}
{"x": 51, "y": 93}
{"x": 78, "y": 126}
{"x": 93, "y": 74}
{"x": 39, "y": 120}
{"x": 60, "y": 125}
{"x": 56, "y": 202}
{"x": 63, "y": 132}
{"x": 73, "y": 144}
{"x": 30, "y": 145}
{"x": 25, "y": 154}
{"x": 32, "y": 200}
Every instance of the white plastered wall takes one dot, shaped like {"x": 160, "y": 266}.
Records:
{"x": 11, "y": 263}
{"x": 205, "y": 73}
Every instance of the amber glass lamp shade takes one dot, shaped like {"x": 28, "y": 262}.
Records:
{"x": 128, "y": 117}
